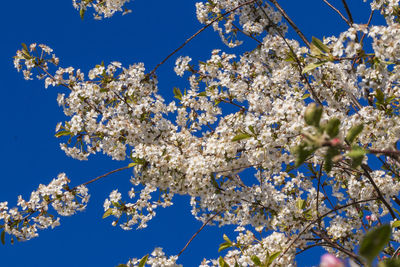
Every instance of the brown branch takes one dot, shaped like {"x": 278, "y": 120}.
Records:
{"x": 336, "y": 246}
{"x": 319, "y": 218}
{"x": 198, "y": 231}
{"x": 69, "y": 87}
{"x": 104, "y": 175}
{"x": 303, "y": 76}
{"x": 248, "y": 35}
{"x": 294, "y": 26}
{"x": 348, "y": 12}
{"x": 197, "y": 33}
{"x": 337, "y": 11}
{"x": 381, "y": 197}
{"x": 319, "y": 184}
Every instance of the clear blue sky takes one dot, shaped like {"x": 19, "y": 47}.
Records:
{"x": 29, "y": 114}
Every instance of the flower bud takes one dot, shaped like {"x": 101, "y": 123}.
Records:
{"x": 328, "y": 260}
{"x": 313, "y": 114}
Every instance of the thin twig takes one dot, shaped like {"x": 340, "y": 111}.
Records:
{"x": 303, "y": 77}
{"x": 294, "y": 26}
{"x": 197, "y": 33}
{"x": 337, "y": 11}
{"x": 378, "y": 191}
{"x": 348, "y": 12}
{"x": 319, "y": 218}
{"x": 323, "y": 235}
{"x": 198, "y": 231}
{"x": 104, "y": 175}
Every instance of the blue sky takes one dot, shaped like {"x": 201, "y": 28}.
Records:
{"x": 29, "y": 113}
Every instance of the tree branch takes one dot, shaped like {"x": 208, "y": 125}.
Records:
{"x": 151, "y": 73}
{"x": 337, "y": 11}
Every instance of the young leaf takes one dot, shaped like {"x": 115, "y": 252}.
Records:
{"x": 313, "y": 114}
{"x": 24, "y": 47}
{"x": 132, "y": 164}
{"x": 332, "y": 127}
{"x": 82, "y": 12}
{"x": 374, "y": 242}
{"x": 273, "y": 257}
{"x": 222, "y": 262}
{"x": 332, "y": 152}
{"x": 177, "y": 93}
{"x": 312, "y": 66}
{"x": 224, "y": 245}
{"x": 380, "y": 97}
{"x": 302, "y": 152}
{"x": 357, "y": 155}
{"x": 62, "y": 133}
{"x": 226, "y": 238}
{"x": 107, "y": 213}
{"x": 241, "y": 136}
{"x": 256, "y": 260}
{"x": 390, "y": 263}
{"x": 354, "y": 132}
{"x": 300, "y": 204}
{"x": 396, "y": 224}
{"x": 321, "y": 46}
{"x": 143, "y": 261}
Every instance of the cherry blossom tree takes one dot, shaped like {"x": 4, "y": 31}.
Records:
{"x": 304, "y": 118}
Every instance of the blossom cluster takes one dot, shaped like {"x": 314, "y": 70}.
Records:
{"x": 156, "y": 258}
{"x": 102, "y": 8}
{"x": 23, "y": 222}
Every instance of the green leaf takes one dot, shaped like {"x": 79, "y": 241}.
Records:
{"x": 143, "y": 261}
{"x": 305, "y": 96}
{"x": 332, "y": 152}
{"x": 122, "y": 265}
{"x": 226, "y": 238}
{"x": 357, "y": 155}
{"x": 320, "y": 45}
{"x": 177, "y": 93}
{"x": 251, "y": 128}
{"x": 390, "y": 263}
{"x": 24, "y": 47}
{"x": 303, "y": 152}
{"x": 241, "y": 136}
{"x": 380, "y": 97}
{"x": 256, "y": 260}
{"x": 356, "y": 152}
{"x": 354, "y": 132}
{"x": 396, "y": 224}
{"x": 62, "y": 133}
{"x": 222, "y": 262}
{"x": 301, "y": 204}
{"x": 273, "y": 257}
{"x": 3, "y": 237}
{"x": 374, "y": 242}
{"x": 313, "y": 114}
{"x": 224, "y": 245}
{"x": 332, "y": 127}
{"x": 132, "y": 164}
{"x": 312, "y": 66}
{"x": 82, "y": 12}
{"x": 202, "y": 94}
{"x": 107, "y": 213}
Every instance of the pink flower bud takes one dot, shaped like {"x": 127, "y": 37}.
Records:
{"x": 328, "y": 260}
{"x": 335, "y": 141}
{"x": 368, "y": 217}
